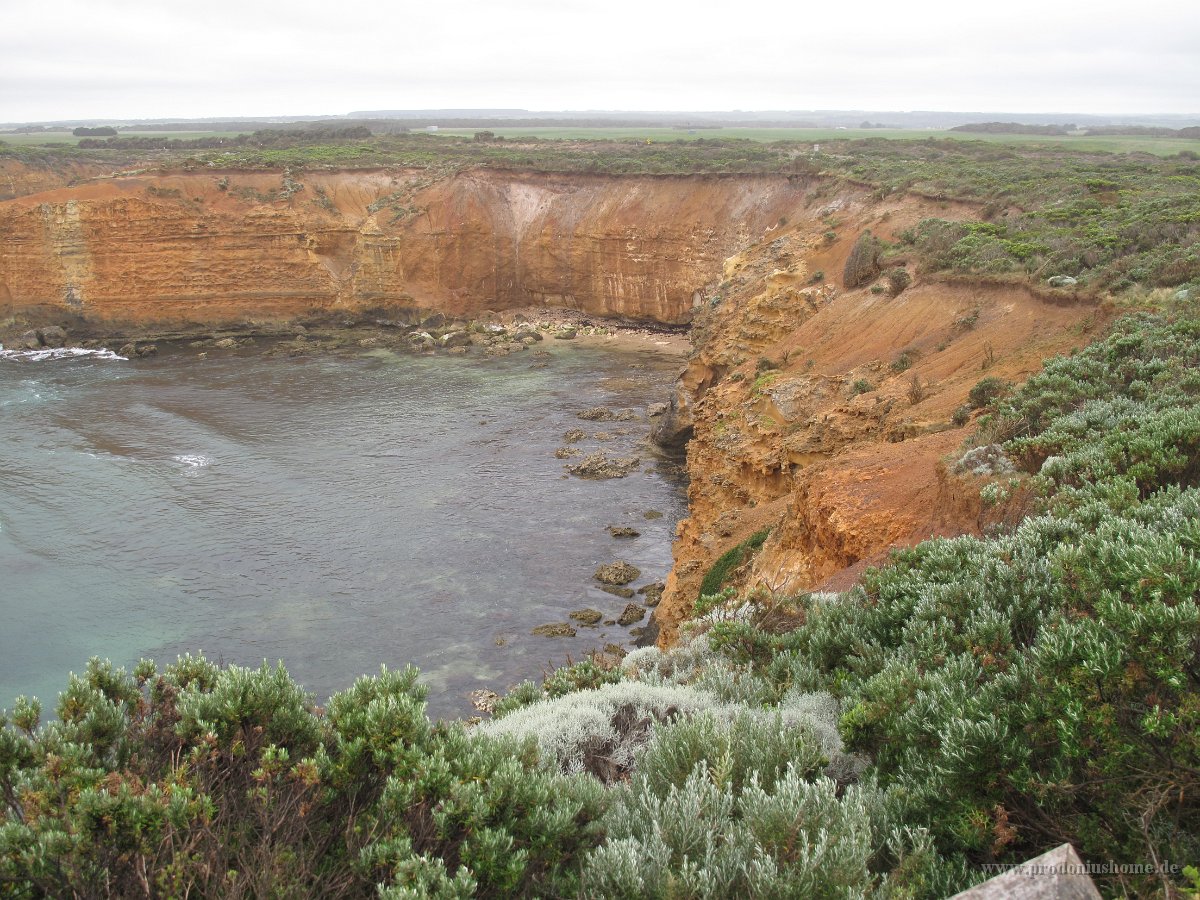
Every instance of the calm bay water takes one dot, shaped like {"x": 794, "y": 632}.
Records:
{"x": 335, "y": 513}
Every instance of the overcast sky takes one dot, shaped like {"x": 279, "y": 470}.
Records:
{"x": 66, "y": 59}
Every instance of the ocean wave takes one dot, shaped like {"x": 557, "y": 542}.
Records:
{"x": 58, "y": 353}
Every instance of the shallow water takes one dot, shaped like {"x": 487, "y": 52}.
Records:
{"x": 335, "y": 513}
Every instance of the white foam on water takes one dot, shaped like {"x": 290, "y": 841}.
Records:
{"x": 194, "y": 461}
{"x": 58, "y": 353}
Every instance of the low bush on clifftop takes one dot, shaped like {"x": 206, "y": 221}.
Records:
{"x": 222, "y": 782}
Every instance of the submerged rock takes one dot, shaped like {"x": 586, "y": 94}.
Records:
{"x": 632, "y": 613}
{"x": 134, "y": 349}
{"x": 586, "y": 616}
{"x": 484, "y": 700}
{"x": 595, "y": 414}
{"x": 574, "y": 436}
{"x": 600, "y": 465}
{"x": 623, "y": 531}
{"x": 619, "y": 572}
{"x": 652, "y": 593}
{"x": 623, "y": 592}
{"x": 555, "y": 629}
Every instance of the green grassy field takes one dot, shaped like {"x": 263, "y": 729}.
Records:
{"x": 1109, "y": 143}
{"x": 65, "y": 137}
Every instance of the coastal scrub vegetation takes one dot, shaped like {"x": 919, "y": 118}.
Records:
{"x": 976, "y": 700}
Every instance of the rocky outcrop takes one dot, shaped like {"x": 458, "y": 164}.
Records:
{"x": 619, "y": 572}
{"x": 600, "y": 465}
{"x": 827, "y": 414}
{"x": 213, "y": 247}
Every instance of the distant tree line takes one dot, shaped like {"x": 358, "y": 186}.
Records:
{"x": 1067, "y": 129}
{"x": 101, "y": 131}
{"x": 262, "y": 138}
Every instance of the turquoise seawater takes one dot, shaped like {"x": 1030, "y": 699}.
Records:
{"x": 333, "y": 513}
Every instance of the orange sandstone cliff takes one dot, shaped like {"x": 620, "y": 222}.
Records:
{"x": 209, "y": 247}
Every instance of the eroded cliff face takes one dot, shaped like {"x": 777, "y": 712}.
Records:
{"x": 826, "y": 414}
{"x": 208, "y": 247}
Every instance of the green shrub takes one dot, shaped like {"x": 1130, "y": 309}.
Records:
{"x": 728, "y": 561}
{"x": 967, "y": 321}
{"x": 862, "y": 265}
{"x": 898, "y": 279}
{"x": 227, "y": 781}
{"x": 986, "y": 391}
{"x": 905, "y": 360}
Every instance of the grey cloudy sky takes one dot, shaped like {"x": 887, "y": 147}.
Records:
{"x": 64, "y": 59}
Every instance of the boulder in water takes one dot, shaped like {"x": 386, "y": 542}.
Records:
{"x": 652, "y": 593}
{"x": 595, "y": 414}
{"x": 623, "y": 531}
{"x": 600, "y": 465}
{"x": 456, "y": 339}
{"x": 623, "y": 592}
{"x": 437, "y": 320}
{"x": 619, "y": 572}
{"x": 484, "y": 700}
{"x": 632, "y": 613}
{"x": 555, "y": 629}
